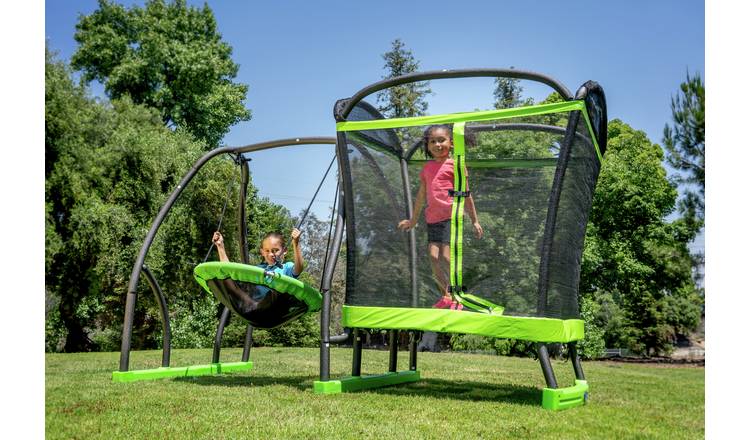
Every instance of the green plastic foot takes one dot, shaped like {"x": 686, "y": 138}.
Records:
{"x": 193, "y": 370}
{"x": 349, "y": 384}
{"x": 563, "y": 398}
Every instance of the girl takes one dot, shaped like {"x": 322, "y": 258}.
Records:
{"x": 273, "y": 250}
{"x": 435, "y": 182}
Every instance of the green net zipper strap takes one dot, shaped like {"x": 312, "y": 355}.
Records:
{"x": 478, "y": 304}
{"x": 457, "y": 212}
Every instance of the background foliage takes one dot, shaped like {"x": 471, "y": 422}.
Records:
{"x": 110, "y": 164}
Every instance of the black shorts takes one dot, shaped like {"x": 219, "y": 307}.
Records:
{"x": 439, "y": 232}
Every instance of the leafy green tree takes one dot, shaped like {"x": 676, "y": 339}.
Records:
{"x": 508, "y": 93}
{"x": 632, "y": 256}
{"x": 408, "y": 99}
{"x": 167, "y": 56}
{"x": 110, "y": 166}
{"x": 685, "y": 142}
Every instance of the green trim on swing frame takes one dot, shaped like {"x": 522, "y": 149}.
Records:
{"x": 193, "y": 370}
{"x": 461, "y": 321}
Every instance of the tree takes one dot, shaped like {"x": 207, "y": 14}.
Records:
{"x": 685, "y": 143}
{"x": 636, "y": 265}
{"x": 508, "y": 92}
{"x": 167, "y": 56}
{"x": 110, "y": 166}
{"x": 408, "y": 99}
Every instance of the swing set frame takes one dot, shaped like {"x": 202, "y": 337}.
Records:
{"x": 553, "y": 396}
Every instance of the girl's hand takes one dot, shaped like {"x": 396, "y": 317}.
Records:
{"x": 405, "y": 225}
{"x": 218, "y": 239}
{"x": 478, "y": 231}
{"x": 295, "y": 236}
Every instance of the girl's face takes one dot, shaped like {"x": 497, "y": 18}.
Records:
{"x": 439, "y": 143}
{"x": 271, "y": 247}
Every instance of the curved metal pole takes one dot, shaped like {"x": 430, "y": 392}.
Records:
{"x": 244, "y": 251}
{"x": 325, "y": 286}
{"x": 166, "y": 332}
{"x": 226, "y": 314}
{"x": 131, "y": 297}
{"x": 458, "y": 73}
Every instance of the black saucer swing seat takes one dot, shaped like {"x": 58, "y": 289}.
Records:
{"x": 234, "y": 285}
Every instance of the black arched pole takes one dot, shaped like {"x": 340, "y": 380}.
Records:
{"x": 164, "y": 312}
{"x": 342, "y": 112}
{"x": 131, "y": 296}
{"x": 549, "y": 232}
{"x": 329, "y": 267}
{"x": 244, "y": 250}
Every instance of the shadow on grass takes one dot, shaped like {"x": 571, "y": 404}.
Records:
{"x": 466, "y": 390}
{"x": 300, "y": 382}
{"x": 434, "y": 388}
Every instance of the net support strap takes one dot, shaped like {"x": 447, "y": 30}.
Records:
{"x": 457, "y": 211}
{"x": 460, "y": 193}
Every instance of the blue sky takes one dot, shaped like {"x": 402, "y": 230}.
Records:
{"x": 299, "y": 57}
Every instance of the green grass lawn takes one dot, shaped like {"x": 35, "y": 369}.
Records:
{"x": 460, "y": 396}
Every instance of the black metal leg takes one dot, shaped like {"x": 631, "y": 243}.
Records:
{"x": 577, "y": 368}
{"x": 414, "y": 337}
{"x": 393, "y": 347}
{"x": 248, "y": 343}
{"x": 357, "y": 353}
{"x": 223, "y": 321}
{"x": 549, "y": 375}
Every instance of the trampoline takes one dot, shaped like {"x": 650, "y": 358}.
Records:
{"x": 531, "y": 173}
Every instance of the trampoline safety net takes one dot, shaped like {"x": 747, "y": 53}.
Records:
{"x": 531, "y": 173}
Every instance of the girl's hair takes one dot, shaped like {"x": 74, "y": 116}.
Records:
{"x": 274, "y": 234}
{"x": 430, "y": 129}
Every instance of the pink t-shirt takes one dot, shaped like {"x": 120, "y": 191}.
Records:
{"x": 437, "y": 178}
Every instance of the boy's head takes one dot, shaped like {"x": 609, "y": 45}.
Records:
{"x": 273, "y": 248}
{"x": 438, "y": 140}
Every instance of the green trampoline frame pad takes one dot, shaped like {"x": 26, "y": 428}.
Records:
{"x": 459, "y": 321}
{"x": 257, "y": 275}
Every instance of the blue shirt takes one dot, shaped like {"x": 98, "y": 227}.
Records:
{"x": 285, "y": 269}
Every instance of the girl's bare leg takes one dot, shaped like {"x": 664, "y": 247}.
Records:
{"x": 439, "y": 265}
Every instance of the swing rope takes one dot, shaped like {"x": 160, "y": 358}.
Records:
{"x": 223, "y": 210}
{"x": 307, "y": 211}
{"x": 330, "y": 229}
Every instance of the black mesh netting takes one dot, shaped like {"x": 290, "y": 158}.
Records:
{"x": 511, "y": 165}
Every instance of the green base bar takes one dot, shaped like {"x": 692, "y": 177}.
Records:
{"x": 563, "y": 398}
{"x": 348, "y": 384}
{"x": 193, "y": 370}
